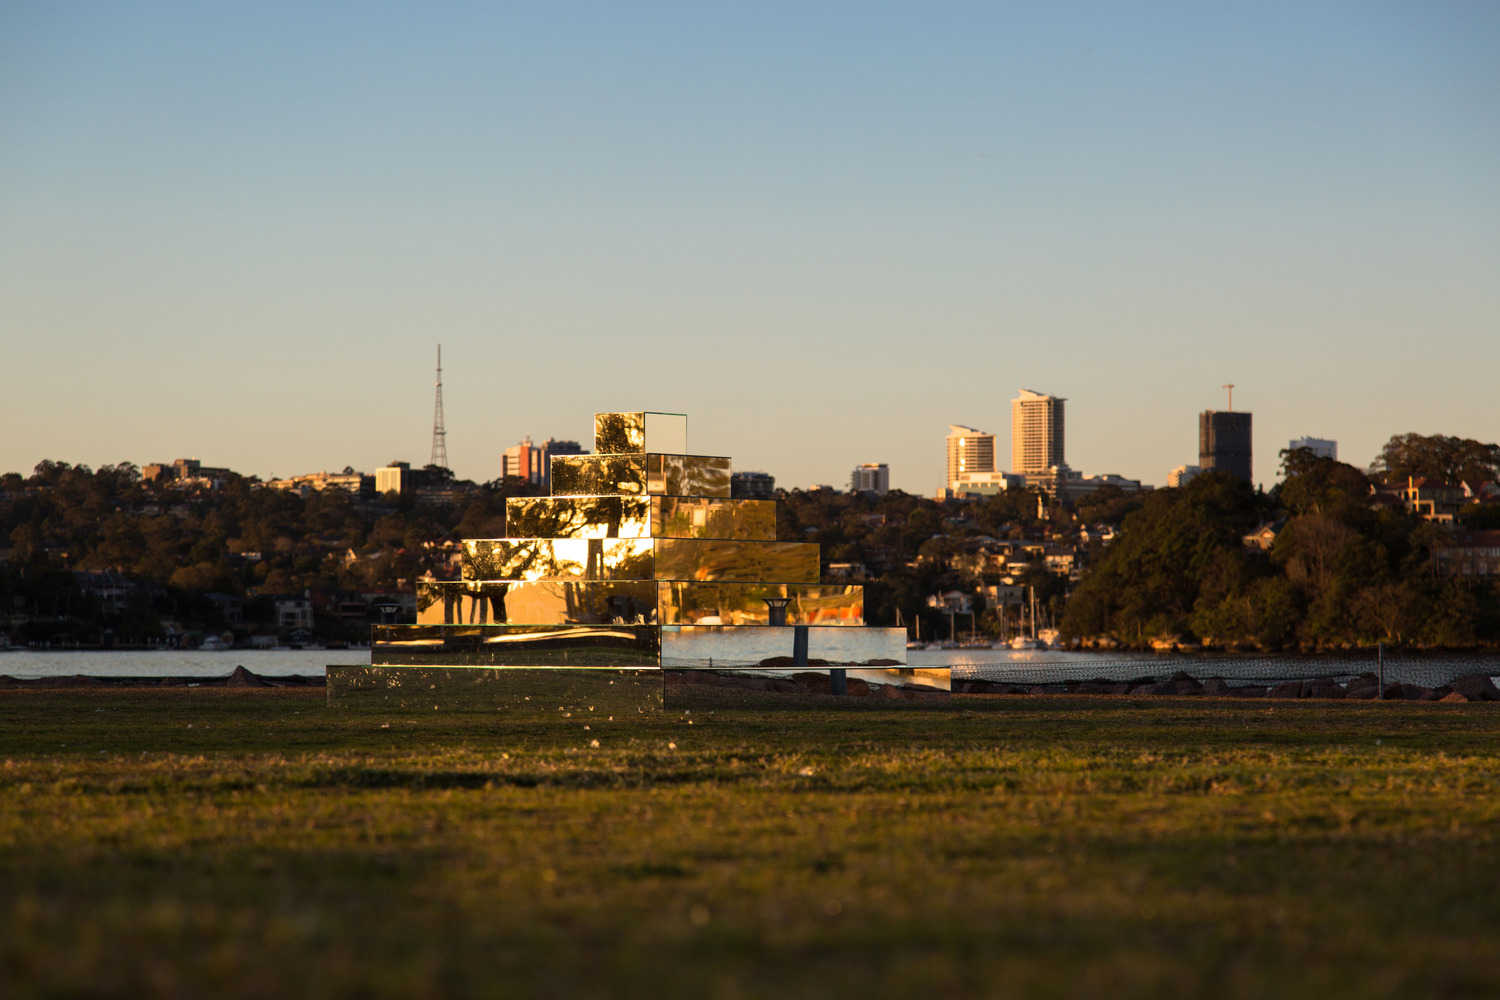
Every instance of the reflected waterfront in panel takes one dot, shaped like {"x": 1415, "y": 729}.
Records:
{"x": 515, "y": 645}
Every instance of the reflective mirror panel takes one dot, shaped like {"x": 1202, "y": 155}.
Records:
{"x": 638, "y": 433}
{"x": 685, "y": 646}
{"x": 558, "y": 558}
{"x": 743, "y": 561}
{"x": 744, "y": 603}
{"x": 579, "y": 517}
{"x": 768, "y": 688}
{"x": 619, "y": 434}
{"x": 702, "y": 517}
{"x": 514, "y": 646}
{"x": 666, "y": 432}
{"x": 545, "y": 602}
{"x": 687, "y": 475}
{"x": 574, "y": 696}
{"x": 640, "y": 517}
{"x": 598, "y": 475}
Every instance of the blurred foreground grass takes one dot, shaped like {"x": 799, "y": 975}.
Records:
{"x": 255, "y": 843}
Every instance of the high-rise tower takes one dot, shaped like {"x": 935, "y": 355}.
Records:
{"x": 439, "y": 434}
{"x": 1224, "y": 442}
{"x": 1036, "y": 432}
{"x": 970, "y": 452}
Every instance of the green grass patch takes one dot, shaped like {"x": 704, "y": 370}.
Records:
{"x": 256, "y": 843}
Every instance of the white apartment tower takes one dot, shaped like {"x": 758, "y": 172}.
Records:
{"x": 871, "y": 477}
{"x": 970, "y": 451}
{"x": 1036, "y": 432}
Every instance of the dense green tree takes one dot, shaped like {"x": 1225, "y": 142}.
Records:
{"x": 1438, "y": 456}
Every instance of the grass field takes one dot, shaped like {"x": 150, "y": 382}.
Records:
{"x": 255, "y": 843}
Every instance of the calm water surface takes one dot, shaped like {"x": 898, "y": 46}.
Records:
{"x": 176, "y": 662}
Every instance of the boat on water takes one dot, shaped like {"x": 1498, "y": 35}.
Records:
{"x": 214, "y": 644}
{"x": 1027, "y": 642}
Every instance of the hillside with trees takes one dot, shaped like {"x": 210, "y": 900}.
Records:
{"x": 1340, "y": 572}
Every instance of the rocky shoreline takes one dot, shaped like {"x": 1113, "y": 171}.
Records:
{"x": 1473, "y": 687}
{"x": 240, "y": 678}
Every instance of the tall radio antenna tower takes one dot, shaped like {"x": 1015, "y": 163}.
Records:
{"x": 439, "y": 435}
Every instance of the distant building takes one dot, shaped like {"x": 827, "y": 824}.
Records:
{"x": 1432, "y": 499}
{"x": 293, "y": 612}
{"x": 524, "y": 461}
{"x": 1077, "y": 486}
{"x": 1182, "y": 475}
{"x": 1318, "y": 446}
{"x": 552, "y": 447}
{"x": 970, "y": 453}
{"x": 395, "y": 478}
{"x": 186, "y": 471}
{"x": 870, "y": 477}
{"x": 356, "y": 483}
{"x": 752, "y": 486}
{"x": 1036, "y": 432}
{"x": 1468, "y": 553}
{"x": 981, "y": 484}
{"x": 1224, "y": 442}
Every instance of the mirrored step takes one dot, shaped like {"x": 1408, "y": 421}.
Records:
{"x": 639, "y": 433}
{"x": 696, "y": 559}
{"x": 559, "y": 602}
{"x": 692, "y": 646}
{"x": 640, "y": 517}
{"x": 640, "y": 475}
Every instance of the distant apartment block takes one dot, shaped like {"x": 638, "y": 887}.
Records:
{"x": 293, "y": 612}
{"x": 1468, "y": 553}
{"x": 1036, "y": 432}
{"x": 981, "y": 484}
{"x": 187, "y": 471}
{"x": 970, "y": 452}
{"x": 1321, "y": 447}
{"x": 870, "y": 477}
{"x": 395, "y": 478}
{"x": 1182, "y": 475}
{"x": 752, "y": 486}
{"x": 356, "y": 483}
{"x": 1077, "y": 486}
{"x": 523, "y": 461}
{"x": 1224, "y": 442}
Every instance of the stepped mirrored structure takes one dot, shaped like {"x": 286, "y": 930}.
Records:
{"x": 639, "y": 583}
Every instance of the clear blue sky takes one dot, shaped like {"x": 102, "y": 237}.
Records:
{"x": 824, "y": 231}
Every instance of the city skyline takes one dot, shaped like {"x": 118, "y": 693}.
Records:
{"x": 238, "y": 235}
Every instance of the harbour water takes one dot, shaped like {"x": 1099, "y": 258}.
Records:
{"x": 26, "y": 663}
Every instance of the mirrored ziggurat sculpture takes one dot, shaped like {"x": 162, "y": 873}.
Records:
{"x": 638, "y": 584}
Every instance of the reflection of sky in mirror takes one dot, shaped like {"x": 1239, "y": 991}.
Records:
{"x": 826, "y": 232}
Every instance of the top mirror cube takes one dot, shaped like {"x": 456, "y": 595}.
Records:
{"x": 639, "y": 433}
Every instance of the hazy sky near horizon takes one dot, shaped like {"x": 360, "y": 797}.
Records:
{"x": 824, "y": 231}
